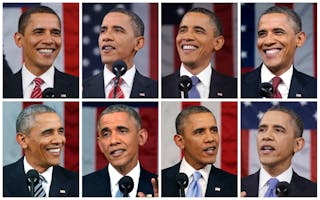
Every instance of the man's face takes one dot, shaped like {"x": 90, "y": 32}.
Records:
{"x": 41, "y": 41}
{"x": 196, "y": 40}
{"x": 119, "y": 140}
{"x": 277, "y": 42}
{"x": 276, "y": 141}
{"x": 117, "y": 40}
{"x": 45, "y": 142}
{"x": 199, "y": 140}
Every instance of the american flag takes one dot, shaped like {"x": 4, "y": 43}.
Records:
{"x": 146, "y": 59}
{"x": 69, "y": 114}
{"x": 224, "y": 60}
{"x": 68, "y": 58}
{"x": 305, "y": 57}
{"x": 304, "y": 162}
{"x": 226, "y": 117}
{"x": 93, "y": 159}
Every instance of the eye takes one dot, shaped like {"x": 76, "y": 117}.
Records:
{"x": 182, "y": 30}
{"x": 56, "y": 32}
{"x": 262, "y": 34}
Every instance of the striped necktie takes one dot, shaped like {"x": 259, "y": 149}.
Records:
{"x": 37, "y": 92}
{"x": 38, "y": 189}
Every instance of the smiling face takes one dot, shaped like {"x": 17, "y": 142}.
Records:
{"x": 45, "y": 141}
{"x": 196, "y": 41}
{"x": 199, "y": 139}
{"x": 277, "y": 141}
{"x": 117, "y": 39}
{"x": 40, "y": 42}
{"x": 119, "y": 139}
{"x": 277, "y": 41}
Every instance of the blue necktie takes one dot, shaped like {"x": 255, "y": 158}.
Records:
{"x": 271, "y": 192}
{"x": 119, "y": 194}
{"x": 193, "y": 92}
{"x": 194, "y": 189}
{"x": 38, "y": 189}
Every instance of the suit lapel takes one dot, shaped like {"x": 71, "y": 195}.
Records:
{"x": 60, "y": 186}
{"x": 18, "y": 181}
{"x": 296, "y": 85}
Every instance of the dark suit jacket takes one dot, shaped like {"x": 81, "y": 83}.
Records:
{"x": 15, "y": 183}
{"x": 221, "y": 86}
{"x": 63, "y": 84}
{"x": 217, "y": 179}
{"x": 299, "y": 186}
{"x": 97, "y": 184}
{"x": 143, "y": 87}
{"x": 302, "y": 85}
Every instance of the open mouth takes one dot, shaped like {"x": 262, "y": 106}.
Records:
{"x": 272, "y": 52}
{"x": 117, "y": 152}
{"x": 47, "y": 51}
{"x": 267, "y": 149}
{"x": 210, "y": 150}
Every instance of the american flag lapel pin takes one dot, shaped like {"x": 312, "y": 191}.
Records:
{"x": 217, "y": 189}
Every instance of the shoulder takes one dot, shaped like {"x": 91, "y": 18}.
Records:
{"x": 65, "y": 75}
{"x": 144, "y": 79}
{"x": 94, "y": 78}
{"x": 95, "y": 175}
{"x": 65, "y": 172}
{"x": 171, "y": 171}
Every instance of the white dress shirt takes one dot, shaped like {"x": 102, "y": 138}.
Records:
{"x": 265, "y": 176}
{"x": 126, "y": 85}
{"x": 205, "y": 78}
{"x": 284, "y": 86}
{"x": 46, "y": 174}
{"x": 28, "y": 83}
{"x": 115, "y": 176}
{"x": 186, "y": 168}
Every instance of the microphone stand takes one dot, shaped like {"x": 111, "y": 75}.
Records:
{"x": 32, "y": 188}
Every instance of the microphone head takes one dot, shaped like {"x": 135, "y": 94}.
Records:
{"x": 32, "y": 176}
{"x": 49, "y": 93}
{"x": 185, "y": 83}
{"x": 119, "y": 68}
{"x": 266, "y": 90}
{"x": 182, "y": 180}
{"x": 126, "y": 184}
{"x": 282, "y": 189}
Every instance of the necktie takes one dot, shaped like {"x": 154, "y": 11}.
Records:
{"x": 38, "y": 189}
{"x": 193, "y": 92}
{"x": 275, "y": 83}
{"x": 194, "y": 189}
{"x": 271, "y": 192}
{"x": 119, "y": 93}
{"x": 119, "y": 194}
{"x": 37, "y": 92}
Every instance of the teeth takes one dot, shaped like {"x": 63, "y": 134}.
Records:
{"x": 46, "y": 51}
{"x": 117, "y": 152}
{"x": 107, "y": 48}
{"x": 272, "y": 51}
{"x": 188, "y": 47}
{"x": 210, "y": 149}
{"x": 54, "y": 150}
{"x": 267, "y": 148}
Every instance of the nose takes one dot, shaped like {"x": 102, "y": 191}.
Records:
{"x": 267, "y": 135}
{"x": 114, "y": 139}
{"x": 58, "y": 139}
{"x": 48, "y": 38}
{"x": 186, "y": 36}
{"x": 209, "y": 136}
{"x": 269, "y": 39}
{"x": 106, "y": 36}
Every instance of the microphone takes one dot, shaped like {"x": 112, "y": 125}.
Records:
{"x": 33, "y": 178}
{"x": 266, "y": 90}
{"x": 282, "y": 189}
{"x": 182, "y": 181}
{"x": 119, "y": 68}
{"x": 49, "y": 93}
{"x": 126, "y": 185}
{"x": 185, "y": 84}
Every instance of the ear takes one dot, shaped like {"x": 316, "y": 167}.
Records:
{"x": 18, "y": 39}
{"x": 143, "y": 136}
{"x": 301, "y": 38}
{"x": 21, "y": 140}
{"x": 218, "y": 43}
{"x": 299, "y": 144}
{"x": 99, "y": 144}
{"x": 178, "y": 139}
{"x": 139, "y": 43}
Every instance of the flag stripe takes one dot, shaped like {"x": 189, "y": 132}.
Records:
{"x": 244, "y": 152}
{"x": 153, "y": 57}
{"x": 313, "y": 155}
{"x": 101, "y": 161}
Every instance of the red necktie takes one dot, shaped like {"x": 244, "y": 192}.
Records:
{"x": 119, "y": 94}
{"x": 37, "y": 92}
{"x": 275, "y": 83}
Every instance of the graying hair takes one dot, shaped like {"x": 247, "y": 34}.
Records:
{"x": 122, "y": 108}
{"x": 26, "y": 117}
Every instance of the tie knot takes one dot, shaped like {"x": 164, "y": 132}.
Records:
{"x": 195, "y": 80}
{"x": 38, "y": 81}
{"x": 276, "y": 81}
{"x": 196, "y": 175}
{"x": 273, "y": 182}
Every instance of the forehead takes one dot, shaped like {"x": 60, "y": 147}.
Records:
{"x": 116, "y": 118}
{"x": 116, "y": 18}
{"x": 275, "y": 117}
{"x": 196, "y": 19}
{"x": 200, "y": 119}
{"x": 42, "y": 19}
{"x": 275, "y": 20}
{"x": 47, "y": 118}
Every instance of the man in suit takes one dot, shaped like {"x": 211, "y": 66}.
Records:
{"x": 198, "y": 137}
{"x": 119, "y": 136}
{"x": 279, "y": 35}
{"x": 39, "y": 36}
{"x": 121, "y": 37}
{"x": 199, "y": 36}
{"x": 279, "y": 138}
{"x": 40, "y": 134}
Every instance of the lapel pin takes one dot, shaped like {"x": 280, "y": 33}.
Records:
{"x": 219, "y": 94}
{"x": 142, "y": 94}
{"x": 217, "y": 189}
{"x": 62, "y": 191}
{"x": 299, "y": 95}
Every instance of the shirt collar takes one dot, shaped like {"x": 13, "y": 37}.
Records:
{"x": 204, "y": 75}
{"x": 267, "y": 75}
{"x": 186, "y": 168}
{"x": 46, "y": 174}
{"x": 128, "y": 77}
{"x": 28, "y": 77}
{"x": 265, "y": 176}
